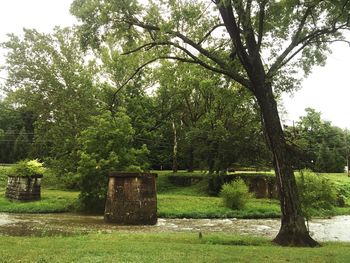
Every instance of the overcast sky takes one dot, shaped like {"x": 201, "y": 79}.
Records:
{"x": 327, "y": 89}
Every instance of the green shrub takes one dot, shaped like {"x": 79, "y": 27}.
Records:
{"x": 235, "y": 194}
{"x": 26, "y": 168}
{"x": 216, "y": 181}
{"x": 316, "y": 193}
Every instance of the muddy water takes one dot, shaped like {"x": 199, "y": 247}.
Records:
{"x": 333, "y": 229}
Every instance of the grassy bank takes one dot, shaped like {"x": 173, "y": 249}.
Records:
{"x": 52, "y": 201}
{"x": 173, "y": 201}
{"x": 185, "y": 206}
{"x": 174, "y": 247}
{"x": 169, "y": 206}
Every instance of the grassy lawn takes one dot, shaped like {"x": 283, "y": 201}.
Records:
{"x": 179, "y": 206}
{"x": 52, "y": 201}
{"x": 162, "y": 247}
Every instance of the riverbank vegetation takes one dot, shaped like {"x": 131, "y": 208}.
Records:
{"x": 162, "y": 247}
{"x": 174, "y": 200}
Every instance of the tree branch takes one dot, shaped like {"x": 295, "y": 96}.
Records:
{"x": 226, "y": 12}
{"x": 195, "y": 59}
{"x": 261, "y": 22}
{"x": 244, "y": 15}
{"x": 295, "y": 42}
{"x": 209, "y": 33}
{"x": 184, "y": 39}
{"x": 225, "y": 69}
{"x": 150, "y": 45}
{"x": 312, "y": 38}
{"x": 130, "y": 78}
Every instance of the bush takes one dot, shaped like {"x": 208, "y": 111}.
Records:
{"x": 316, "y": 193}
{"x": 235, "y": 194}
{"x": 216, "y": 181}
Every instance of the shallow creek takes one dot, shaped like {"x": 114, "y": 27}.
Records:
{"x": 332, "y": 229}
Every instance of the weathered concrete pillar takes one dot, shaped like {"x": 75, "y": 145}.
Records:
{"x": 258, "y": 185}
{"x": 131, "y": 199}
{"x": 24, "y": 188}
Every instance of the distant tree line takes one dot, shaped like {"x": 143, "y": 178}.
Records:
{"x": 322, "y": 147}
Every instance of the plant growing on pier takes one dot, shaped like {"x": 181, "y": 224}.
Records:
{"x": 26, "y": 168}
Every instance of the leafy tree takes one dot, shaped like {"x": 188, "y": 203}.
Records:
{"x": 230, "y": 37}
{"x": 133, "y": 95}
{"x": 16, "y": 136}
{"x": 215, "y": 119}
{"x": 49, "y": 77}
{"x": 322, "y": 143}
{"x": 104, "y": 147}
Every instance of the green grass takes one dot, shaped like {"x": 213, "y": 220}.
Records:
{"x": 52, "y": 201}
{"x": 165, "y": 187}
{"x": 194, "y": 202}
{"x": 163, "y": 247}
{"x": 184, "y": 206}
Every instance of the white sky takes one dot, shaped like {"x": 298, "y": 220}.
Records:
{"x": 327, "y": 89}
{"x": 42, "y": 15}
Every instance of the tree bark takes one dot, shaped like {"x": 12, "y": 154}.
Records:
{"x": 175, "y": 164}
{"x": 293, "y": 231}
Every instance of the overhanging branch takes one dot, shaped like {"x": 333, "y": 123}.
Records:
{"x": 209, "y": 33}
{"x": 224, "y": 68}
{"x": 181, "y": 59}
{"x": 185, "y": 39}
{"x": 309, "y": 39}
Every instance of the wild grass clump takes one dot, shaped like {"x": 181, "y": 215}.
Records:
{"x": 235, "y": 194}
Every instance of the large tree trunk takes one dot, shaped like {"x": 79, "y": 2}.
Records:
{"x": 293, "y": 231}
